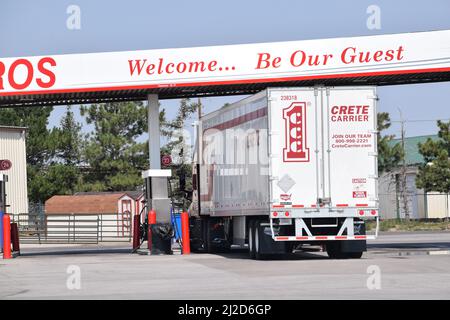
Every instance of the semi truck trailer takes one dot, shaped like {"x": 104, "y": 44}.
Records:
{"x": 287, "y": 168}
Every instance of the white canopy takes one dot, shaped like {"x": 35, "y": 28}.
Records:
{"x": 231, "y": 69}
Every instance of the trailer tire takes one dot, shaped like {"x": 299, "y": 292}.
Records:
{"x": 251, "y": 240}
{"x": 257, "y": 237}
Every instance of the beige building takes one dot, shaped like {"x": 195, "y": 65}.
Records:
{"x": 12, "y": 149}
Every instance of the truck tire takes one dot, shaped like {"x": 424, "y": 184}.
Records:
{"x": 251, "y": 239}
{"x": 209, "y": 246}
{"x": 195, "y": 231}
{"x": 204, "y": 234}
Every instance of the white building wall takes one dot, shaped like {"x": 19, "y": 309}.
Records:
{"x": 438, "y": 205}
{"x": 12, "y": 147}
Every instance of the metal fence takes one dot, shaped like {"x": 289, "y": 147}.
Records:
{"x": 73, "y": 228}
{"x": 417, "y": 205}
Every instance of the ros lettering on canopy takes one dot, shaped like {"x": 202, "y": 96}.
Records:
{"x": 40, "y": 73}
{"x": 295, "y": 149}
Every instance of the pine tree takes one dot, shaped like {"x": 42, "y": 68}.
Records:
{"x": 114, "y": 158}
{"x": 62, "y": 175}
{"x": 434, "y": 173}
{"x": 68, "y": 140}
{"x": 388, "y": 157}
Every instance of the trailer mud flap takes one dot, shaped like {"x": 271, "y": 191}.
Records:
{"x": 353, "y": 246}
{"x": 266, "y": 242}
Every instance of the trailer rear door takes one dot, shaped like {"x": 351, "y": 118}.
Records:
{"x": 350, "y": 160}
{"x": 294, "y": 126}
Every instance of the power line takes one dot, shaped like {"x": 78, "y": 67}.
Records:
{"x": 420, "y": 120}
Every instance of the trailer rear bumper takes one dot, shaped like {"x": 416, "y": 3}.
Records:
{"x": 323, "y": 238}
{"x": 349, "y": 229}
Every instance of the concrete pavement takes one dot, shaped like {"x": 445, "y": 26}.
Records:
{"x": 410, "y": 265}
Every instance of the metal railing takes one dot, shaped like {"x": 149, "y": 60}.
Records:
{"x": 73, "y": 228}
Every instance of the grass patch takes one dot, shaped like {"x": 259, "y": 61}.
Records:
{"x": 412, "y": 225}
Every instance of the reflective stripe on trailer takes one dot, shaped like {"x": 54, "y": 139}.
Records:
{"x": 318, "y": 238}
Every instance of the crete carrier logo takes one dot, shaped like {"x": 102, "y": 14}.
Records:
{"x": 295, "y": 122}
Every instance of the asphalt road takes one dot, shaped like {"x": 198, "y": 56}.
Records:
{"x": 397, "y": 266}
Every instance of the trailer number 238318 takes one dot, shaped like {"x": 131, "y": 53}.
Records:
{"x": 288, "y": 97}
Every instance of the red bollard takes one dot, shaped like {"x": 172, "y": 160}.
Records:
{"x": 136, "y": 232}
{"x": 151, "y": 220}
{"x": 15, "y": 238}
{"x": 6, "y": 237}
{"x": 185, "y": 233}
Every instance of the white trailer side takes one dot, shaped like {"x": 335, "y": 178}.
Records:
{"x": 301, "y": 162}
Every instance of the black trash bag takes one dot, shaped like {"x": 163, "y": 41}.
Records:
{"x": 162, "y": 235}
{"x": 163, "y": 230}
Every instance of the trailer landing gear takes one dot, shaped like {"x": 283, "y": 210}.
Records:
{"x": 210, "y": 234}
{"x": 217, "y": 235}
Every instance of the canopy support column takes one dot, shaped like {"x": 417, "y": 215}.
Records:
{"x": 154, "y": 135}
{"x": 156, "y": 182}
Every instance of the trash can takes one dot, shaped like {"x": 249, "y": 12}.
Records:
{"x": 176, "y": 223}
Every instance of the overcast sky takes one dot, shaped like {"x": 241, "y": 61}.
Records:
{"x": 38, "y": 27}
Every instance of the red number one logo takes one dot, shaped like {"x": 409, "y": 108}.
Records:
{"x": 295, "y": 122}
